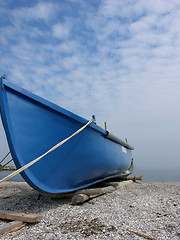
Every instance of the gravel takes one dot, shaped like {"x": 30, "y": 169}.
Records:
{"x": 152, "y": 209}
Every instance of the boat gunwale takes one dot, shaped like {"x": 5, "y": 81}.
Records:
{"x": 62, "y": 110}
{"x": 52, "y": 105}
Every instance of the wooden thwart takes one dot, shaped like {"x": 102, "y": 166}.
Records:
{"x": 20, "y": 216}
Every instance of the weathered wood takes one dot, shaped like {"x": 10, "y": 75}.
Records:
{"x": 140, "y": 234}
{"x": 122, "y": 184}
{"x": 86, "y": 194}
{"x": 134, "y": 178}
{"x": 6, "y": 227}
{"x": 60, "y": 195}
{"x": 17, "y": 228}
{"x": 83, "y": 195}
{"x": 96, "y": 191}
{"x": 20, "y": 216}
{"x": 79, "y": 198}
{"x": 118, "y": 184}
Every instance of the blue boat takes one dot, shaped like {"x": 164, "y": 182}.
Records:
{"x": 34, "y": 125}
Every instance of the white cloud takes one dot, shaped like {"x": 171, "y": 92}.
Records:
{"x": 119, "y": 61}
{"x": 68, "y": 46}
{"x": 61, "y": 31}
{"x": 130, "y": 8}
{"x": 41, "y": 11}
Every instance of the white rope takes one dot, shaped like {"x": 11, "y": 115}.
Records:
{"x": 50, "y": 150}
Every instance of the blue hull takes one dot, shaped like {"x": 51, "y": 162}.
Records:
{"x": 34, "y": 125}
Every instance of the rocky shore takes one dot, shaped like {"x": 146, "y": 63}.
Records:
{"x": 148, "y": 209}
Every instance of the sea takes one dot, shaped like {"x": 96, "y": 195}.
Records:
{"x": 165, "y": 175}
{"x": 158, "y": 175}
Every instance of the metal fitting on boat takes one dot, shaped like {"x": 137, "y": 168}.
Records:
{"x": 94, "y": 118}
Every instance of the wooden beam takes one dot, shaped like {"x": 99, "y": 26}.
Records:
{"x": 20, "y": 216}
{"x": 83, "y": 195}
{"x": 60, "y": 195}
{"x": 134, "y": 178}
{"x": 140, "y": 234}
{"x": 6, "y": 227}
{"x": 79, "y": 198}
{"x": 96, "y": 191}
{"x": 118, "y": 184}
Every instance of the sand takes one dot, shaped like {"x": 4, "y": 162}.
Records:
{"x": 152, "y": 209}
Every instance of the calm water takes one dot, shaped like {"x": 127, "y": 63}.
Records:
{"x": 159, "y": 175}
{"x": 149, "y": 175}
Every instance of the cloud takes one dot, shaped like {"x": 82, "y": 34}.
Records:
{"x": 61, "y": 31}
{"x": 116, "y": 59}
{"x": 132, "y": 10}
{"x": 41, "y": 11}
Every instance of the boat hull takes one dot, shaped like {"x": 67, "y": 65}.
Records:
{"x": 34, "y": 125}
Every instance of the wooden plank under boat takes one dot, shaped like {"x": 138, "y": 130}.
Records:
{"x": 33, "y": 125}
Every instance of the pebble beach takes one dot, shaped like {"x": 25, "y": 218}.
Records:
{"x": 136, "y": 211}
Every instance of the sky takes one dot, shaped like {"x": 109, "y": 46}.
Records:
{"x": 118, "y": 60}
